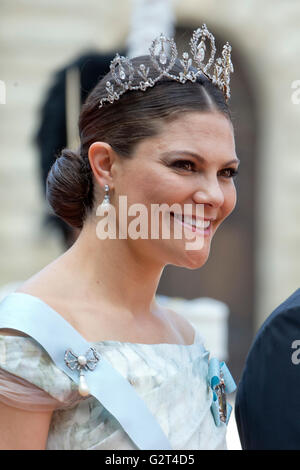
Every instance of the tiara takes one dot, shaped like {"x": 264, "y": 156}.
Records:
{"x": 163, "y": 55}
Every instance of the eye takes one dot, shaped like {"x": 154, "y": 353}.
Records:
{"x": 230, "y": 172}
{"x": 184, "y": 165}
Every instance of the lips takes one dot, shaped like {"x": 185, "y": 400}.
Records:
{"x": 197, "y": 223}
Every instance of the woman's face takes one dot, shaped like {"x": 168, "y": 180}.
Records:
{"x": 191, "y": 162}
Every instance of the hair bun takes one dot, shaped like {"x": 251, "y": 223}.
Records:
{"x": 70, "y": 154}
{"x": 68, "y": 187}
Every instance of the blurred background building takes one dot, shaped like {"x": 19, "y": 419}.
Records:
{"x": 255, "y": 260}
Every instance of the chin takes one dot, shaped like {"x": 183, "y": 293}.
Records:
{"x": 195, "y": 264}
{"x": 193, "y": 259}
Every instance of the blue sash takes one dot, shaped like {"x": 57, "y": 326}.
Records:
{"x": 32, "y": 316}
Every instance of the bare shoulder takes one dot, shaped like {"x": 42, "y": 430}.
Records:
{"x": 50, "y": 284}
{"x": 43, "y": 282}
{"x": 182, "y": 325}
{"x": 33, "y": 286}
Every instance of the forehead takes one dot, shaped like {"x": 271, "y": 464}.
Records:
{"x": 209, "y": 133}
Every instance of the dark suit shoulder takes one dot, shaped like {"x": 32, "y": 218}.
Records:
{"x": 267, "y": 405}
{"x": 287, "y": 308}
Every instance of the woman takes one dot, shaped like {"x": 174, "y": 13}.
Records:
{"x": 171, "y": 143}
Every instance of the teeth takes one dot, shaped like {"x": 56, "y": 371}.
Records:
{"x": 195, "y": 222}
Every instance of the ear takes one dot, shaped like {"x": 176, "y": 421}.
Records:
{"x": 101, "y": 157}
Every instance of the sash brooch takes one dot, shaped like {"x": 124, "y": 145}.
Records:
{"x": 81, "y": 363}
{"x": 221, "y": 382}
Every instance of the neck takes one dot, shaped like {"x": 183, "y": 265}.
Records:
{"x": 114, "y": 272}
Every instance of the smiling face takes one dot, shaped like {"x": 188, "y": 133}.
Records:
{"x": 192, "y": 161}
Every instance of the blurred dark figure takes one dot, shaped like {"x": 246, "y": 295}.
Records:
{"x": 55, "y": 120}
{"x": 267, "y": 405}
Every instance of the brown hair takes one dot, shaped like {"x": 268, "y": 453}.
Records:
{"x": 122, "y": 124}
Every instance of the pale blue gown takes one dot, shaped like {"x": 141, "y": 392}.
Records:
{"x": 170, "y": 378}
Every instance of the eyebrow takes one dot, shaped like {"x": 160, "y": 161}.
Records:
{"x": 195, "y": 155}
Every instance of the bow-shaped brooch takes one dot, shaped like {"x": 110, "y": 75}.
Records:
{"x": 81, "y": 363}
{"x": 221, "y": 382}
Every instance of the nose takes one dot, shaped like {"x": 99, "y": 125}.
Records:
{"x": 210, "y": 193}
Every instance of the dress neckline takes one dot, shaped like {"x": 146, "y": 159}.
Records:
{"x": 109, "y": 341}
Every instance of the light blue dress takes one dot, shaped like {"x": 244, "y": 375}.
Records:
{"x": 170, "y": 378}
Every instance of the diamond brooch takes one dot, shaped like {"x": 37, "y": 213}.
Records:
{"x": 81, "y": 363}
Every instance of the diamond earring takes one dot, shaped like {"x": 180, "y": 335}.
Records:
{"x": 106, "y": 200}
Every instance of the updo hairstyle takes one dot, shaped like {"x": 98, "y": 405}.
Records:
{"x": 122, "y": 124}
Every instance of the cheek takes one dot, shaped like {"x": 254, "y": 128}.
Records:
{"x": 149, "y": 186}
{"x": 135, "y": 184}
{"x": 229, "y": 200}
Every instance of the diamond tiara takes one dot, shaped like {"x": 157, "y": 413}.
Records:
{"x": 123, "y": 71}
